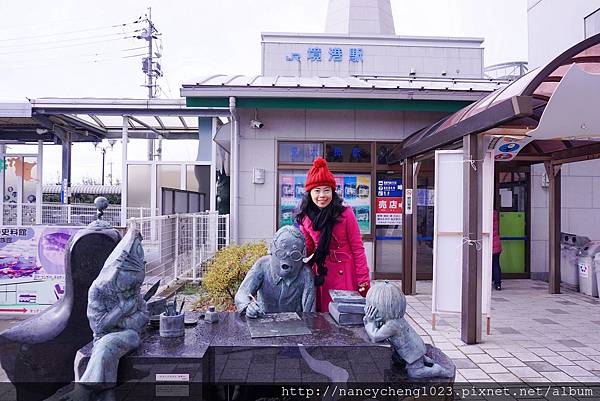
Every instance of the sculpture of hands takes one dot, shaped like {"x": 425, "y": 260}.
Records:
{"x": 254, "y": 310}
{"x": 128, "y": 305}
{"x": 371, "y": 315}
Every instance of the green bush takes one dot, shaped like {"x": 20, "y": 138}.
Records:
{"x": 225, "y": 273}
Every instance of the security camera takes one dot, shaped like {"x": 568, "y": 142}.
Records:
{"x": 256, "y": 124}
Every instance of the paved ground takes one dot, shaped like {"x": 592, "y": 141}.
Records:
{"x": 535, "y": 336}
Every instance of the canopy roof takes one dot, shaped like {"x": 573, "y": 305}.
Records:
{"x": 518, "y": 109}
{"x": 93, "y": 119}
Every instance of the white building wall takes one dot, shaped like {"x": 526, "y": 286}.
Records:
{"x": 553, "y": 27}
{"x": 382, "y": 56}
{"x": 258, "y": 202}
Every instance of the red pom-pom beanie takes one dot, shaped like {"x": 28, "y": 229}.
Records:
{"x": 319, "y": 175}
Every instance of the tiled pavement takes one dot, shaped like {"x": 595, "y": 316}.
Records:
{"x": 535, "y": 336}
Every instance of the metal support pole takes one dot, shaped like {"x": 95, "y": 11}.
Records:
{"x": 39, "y": 195}
{"x": 408, "y": 238}
{"x": 66, "y": 168}
{"x": 235, "y": 171}
{"x": 176, "y": 261}
{"x": 194, "y": 247}
{"x": 124, "y": 140}
{"x": 472, "y": 260}
{"x": 2, "y": 172}
{"x": 554, "y": 208}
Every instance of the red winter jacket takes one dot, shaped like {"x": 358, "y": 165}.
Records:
{"x": 347, "y": 261}
{"x": 496, "y": 243}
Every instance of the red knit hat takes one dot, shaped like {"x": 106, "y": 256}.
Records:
{"x": 319, "y": 175}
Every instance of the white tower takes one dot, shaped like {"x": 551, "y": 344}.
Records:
{"x": 355, "y": 17}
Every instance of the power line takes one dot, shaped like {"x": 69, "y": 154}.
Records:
{"x": 70, "y": 39}
{"x": 69, "y": 32}
{"x": 67, "y": 57}
{"x": 67, "y": 46}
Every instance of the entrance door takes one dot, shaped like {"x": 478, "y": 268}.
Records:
{"x": 512, "y": 198}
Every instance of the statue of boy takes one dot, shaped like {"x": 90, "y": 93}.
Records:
{"x": 279, "y": 282}
{"x": 384, "y": 320}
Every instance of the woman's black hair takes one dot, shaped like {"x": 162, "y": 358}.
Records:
{"x": 323, "y": 221}
{"x": 306, "y": 202}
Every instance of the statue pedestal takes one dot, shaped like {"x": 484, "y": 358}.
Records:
{"x": 213, "y": 357}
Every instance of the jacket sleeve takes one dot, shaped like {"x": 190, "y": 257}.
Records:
{"x": 310, "y": 243}
{"x": 308, "y": 295}
{"x": 359, "y": 257}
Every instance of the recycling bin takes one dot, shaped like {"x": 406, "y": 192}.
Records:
{"x": 585, "y": 264}
{"x": 597, "y": 270}
{"x": 570, "y": 246}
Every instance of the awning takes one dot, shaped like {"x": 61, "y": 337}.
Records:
{"x": 551, "y": 109}
{"x": 85, "y": 189}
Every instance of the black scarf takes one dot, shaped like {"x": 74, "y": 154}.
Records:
{"x": 323, "y": 221}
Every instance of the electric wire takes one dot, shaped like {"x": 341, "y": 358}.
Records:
{"x": 51, "y": 42}
{"x": 69, "y": 32}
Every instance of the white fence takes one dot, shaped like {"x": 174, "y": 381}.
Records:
{"x": 78, "y": 214}
{"x": 179, "y": 246}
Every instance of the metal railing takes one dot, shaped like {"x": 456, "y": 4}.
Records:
{"x": 178, "y": 247}
{"x": 77, "y": 214}
{"x": 510, "y": 71}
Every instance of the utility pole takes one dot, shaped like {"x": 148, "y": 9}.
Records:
{"x": 151, "y": 67}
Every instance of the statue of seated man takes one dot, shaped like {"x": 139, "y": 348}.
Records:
{"x": 384, "y": 320}
{"x": 279, "y": 282}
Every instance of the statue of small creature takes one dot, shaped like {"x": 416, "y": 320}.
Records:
{"x": 280, "y": 281}
{"x": 117, "y": 312}
{"x": 384, "y": 320}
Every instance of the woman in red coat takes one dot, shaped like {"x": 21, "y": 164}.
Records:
{"x": 333, "y": 242}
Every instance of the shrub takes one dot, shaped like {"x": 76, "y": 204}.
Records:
{"x": 226, "y": 270}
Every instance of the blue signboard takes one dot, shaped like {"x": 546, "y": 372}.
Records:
{"x": 389, "y": 188}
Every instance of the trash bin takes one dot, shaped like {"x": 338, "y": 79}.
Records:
{"x": 585, "y": 263}
{"x": 570, "y": 246}
{"x": 597, "y": 269}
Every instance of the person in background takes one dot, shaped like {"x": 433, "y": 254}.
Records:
{"x": 333, "y": 243}
{"x": 496, "y": 251}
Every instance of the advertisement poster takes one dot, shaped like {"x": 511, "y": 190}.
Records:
{"x": 32, "y": 271}
{"x": 355, "y": 189}
{"x": 388, "y": 203}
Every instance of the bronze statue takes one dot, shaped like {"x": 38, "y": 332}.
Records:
{"x": 384, "y": 320}
{"x": 279, "y": 282}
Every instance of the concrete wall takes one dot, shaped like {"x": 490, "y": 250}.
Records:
{"x": 580, "y": 212}
{"x": 258, "y": 203}
{"x": 554, "y": 26}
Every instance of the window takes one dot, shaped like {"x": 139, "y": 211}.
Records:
{"x": 348, "y": 152}
{"x": 301, "y": 153}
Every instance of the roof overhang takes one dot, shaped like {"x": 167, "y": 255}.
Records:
{"x": 92, "y": 120}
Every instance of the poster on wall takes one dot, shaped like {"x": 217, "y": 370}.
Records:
{"x": 355, "y": 189}
{"x": 32, "y": 270}
{"x": 388, "y": 203}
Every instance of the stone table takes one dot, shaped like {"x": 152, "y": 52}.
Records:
{"x": 223, "y": 355}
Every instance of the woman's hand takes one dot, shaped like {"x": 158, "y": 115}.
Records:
{"x": 364, "y": 288}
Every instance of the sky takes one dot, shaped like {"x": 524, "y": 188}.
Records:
{"x": 74, "y": 48}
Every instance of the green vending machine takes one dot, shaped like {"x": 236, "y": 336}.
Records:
{"x": 512, "y": 235}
